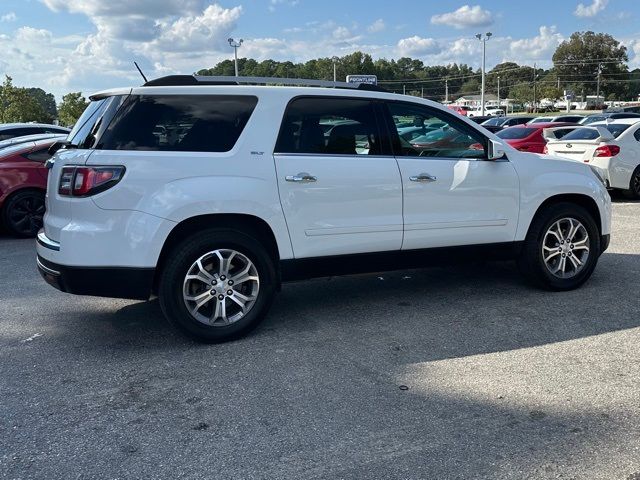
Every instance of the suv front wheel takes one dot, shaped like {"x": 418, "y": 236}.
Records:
{"x": 562, "y": 247}
{"x": 217, "y": 285}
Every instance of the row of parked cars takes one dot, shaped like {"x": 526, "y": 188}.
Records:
{"x": 23, "y": 176}
{"x": 608, "y": 142}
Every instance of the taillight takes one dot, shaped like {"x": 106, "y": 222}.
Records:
{"x": 607, "y": 151}
{"x": 87, "y": 181}
{"x": 545, "y": 150}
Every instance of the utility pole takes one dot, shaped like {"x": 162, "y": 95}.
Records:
{"x": 484, "y": 40}
{"x": 235, "y": 46}
{"x": 534, "y": 109}
{"x": 335, "y": 62}
{"x": 446, "y": 90}
{"x": 498, "y": 91}
{"x": 598, "y": 83}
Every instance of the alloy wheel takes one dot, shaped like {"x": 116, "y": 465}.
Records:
{"x": 26, "y": 215}
{"x": 565, "y": 247}
{"x": 221, "y": 287}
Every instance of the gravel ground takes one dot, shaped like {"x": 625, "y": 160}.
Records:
{"x": 454, "y": 373}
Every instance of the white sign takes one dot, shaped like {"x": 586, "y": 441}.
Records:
{"x": 370, "y": 79}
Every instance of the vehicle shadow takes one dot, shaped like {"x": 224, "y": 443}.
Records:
{"x": 315, "y": 391}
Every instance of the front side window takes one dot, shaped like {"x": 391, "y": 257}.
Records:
{"x": 442, "y": 135}
{"x": 329, "y": 126}
{"x": 188, "y": 123}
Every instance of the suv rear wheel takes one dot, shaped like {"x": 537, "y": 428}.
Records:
{"x": 217, "y": 285}
{"x": 562, "y": 247}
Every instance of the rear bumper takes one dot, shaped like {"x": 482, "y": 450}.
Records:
{"x": 132, "y": 283}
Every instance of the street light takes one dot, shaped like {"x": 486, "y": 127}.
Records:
{"x": 484, "y": 40}
{"x": 235, "y": 46}
{"x": 334, "y": 59}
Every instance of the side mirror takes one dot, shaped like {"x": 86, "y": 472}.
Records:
{"x": 495, "y": 150}
{"x": 57, "y": 146}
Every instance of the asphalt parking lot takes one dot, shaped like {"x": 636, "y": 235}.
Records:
{"x": 463, "y": 372}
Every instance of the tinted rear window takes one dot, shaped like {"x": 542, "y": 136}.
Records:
{"x": 189, "y": 123}
{"x": 582, "y": 134}
{"x": 592, "y": 133}
{"x": 515, "y": 133}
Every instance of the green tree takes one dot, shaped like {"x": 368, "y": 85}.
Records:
{"x": 47, "y": 102}
{"x": 18, "y": 105}
{"x": 72, "y": 106}
{"x": 577, "y": 60}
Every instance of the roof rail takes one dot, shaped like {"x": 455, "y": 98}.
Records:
{"x": 177, "y": 80}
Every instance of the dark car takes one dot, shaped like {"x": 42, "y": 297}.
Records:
{"x": 480, "y": 118}
{"x": 23, "y": 182}
{"x": 11, "y": 130}
{"x": 601, "y": 117}
{"x": 495, "y": 124}
{"x": 528, "y": 138}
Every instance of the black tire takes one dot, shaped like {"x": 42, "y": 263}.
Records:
{"x": 23, "y": 212}
{"x": 531, "y": 260}
{"x": 634, "y": 185}
{"x": 183, "y": 256}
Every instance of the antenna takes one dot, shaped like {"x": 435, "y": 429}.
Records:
{"x": 145, "y": 78}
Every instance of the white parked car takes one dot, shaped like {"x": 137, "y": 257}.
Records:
{"x": 210, "y": 195}
{"x": 612, "y": 148}
{"x": 489, "y": 112}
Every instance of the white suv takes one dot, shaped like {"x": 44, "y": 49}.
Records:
{"x": 211, "y": 194}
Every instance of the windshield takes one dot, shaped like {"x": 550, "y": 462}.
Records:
{"x": 516, "y": 133}
{"x": 541, "y": 119}
{"x": 592, "y": 119}
{"x": 494, "y": 122}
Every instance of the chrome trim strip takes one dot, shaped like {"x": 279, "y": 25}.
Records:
{"x": 463, "y": 224}
{"x": 46, "y": 242}
{"x": 46, "y": 269}
{"x": 315, "y": 232}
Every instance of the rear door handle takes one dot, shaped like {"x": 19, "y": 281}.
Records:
{"x": 301, "y": 178}
{"x": 423, "y": 177}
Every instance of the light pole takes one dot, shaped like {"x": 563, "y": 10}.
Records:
{"x": 334, "y": 59}
{"x": 498, "y": 91}
{"x": 235, "y": 46}
{"x": 484, "y": 40}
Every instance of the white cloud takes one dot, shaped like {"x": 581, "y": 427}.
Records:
{"x": 8, "y": 17}
{"x": 464, "y": 17}
{"x": 377, "y": 26}
{"x": 540, "y": 47}
{"x": 592, "y": 10}
{"x": 274, "y": 3}
{"x": 418, "y": 47}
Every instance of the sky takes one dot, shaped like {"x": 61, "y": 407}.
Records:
{"x": 89, "y": 45}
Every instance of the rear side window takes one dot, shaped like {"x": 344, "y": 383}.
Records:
{"x": 329, "y": 126}
{"x": 41, "y": 155}
{"x": 189, "y": 123}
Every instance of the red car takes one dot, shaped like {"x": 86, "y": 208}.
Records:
{"x": 462, "y": 110}
{"x": 23, "y": 182}
{"x": 528, "y": 138}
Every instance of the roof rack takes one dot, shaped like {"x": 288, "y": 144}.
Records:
{"x": 180, "y": 80}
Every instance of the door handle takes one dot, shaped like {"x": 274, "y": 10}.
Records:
{"x": 301, "y": 178}
{"x": 423, "y": 177}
